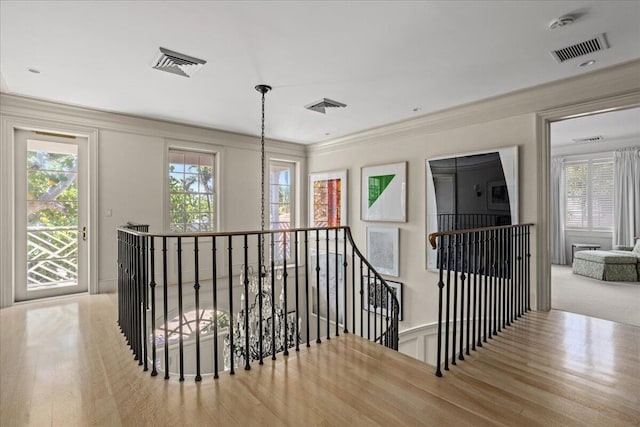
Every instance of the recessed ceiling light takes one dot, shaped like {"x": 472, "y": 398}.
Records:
{"x": 33, "y": 70}
{"x": 415, "y": 110}
{"x": 563, "y": 21}
{"x": 587, "y": 63}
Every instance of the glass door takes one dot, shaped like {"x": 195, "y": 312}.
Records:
{"x": 51, "y": 233}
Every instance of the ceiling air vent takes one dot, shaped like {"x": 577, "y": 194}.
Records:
{"x": 323, "y": 104}
{"x": 587, "y": 140}
{"x": 595, "y": 44}
{"x": 177, "y": 63}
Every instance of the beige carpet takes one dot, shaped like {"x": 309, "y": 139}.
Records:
{"x": 616, "y": 301}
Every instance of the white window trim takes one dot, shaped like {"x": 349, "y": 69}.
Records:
{"x": 294, "y": 189}
{"x": 295, "y": 204}
{"x": 218, "y": 153}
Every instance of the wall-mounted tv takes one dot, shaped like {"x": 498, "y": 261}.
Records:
{"x": 471, "y": 190}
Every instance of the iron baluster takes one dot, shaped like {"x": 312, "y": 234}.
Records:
{"x": 196, "y": 288}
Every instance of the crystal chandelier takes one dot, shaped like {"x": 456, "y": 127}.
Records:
{"x": 272, "y": 328}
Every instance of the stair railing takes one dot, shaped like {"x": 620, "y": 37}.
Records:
{"x": 484, "y": 286}
{"x": 312, "y": 284}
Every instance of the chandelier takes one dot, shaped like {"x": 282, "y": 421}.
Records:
{"x": 274, "y": 321}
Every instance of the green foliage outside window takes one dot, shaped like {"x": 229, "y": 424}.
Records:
{"x": 52, "y": 189}
{"x": 191, "y": 192}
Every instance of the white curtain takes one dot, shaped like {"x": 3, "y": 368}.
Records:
{"x": 626, "y": 196}
{"x": 557, "y": 211}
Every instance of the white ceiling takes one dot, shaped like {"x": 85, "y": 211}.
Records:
{"x": 382, "y": 59}
{"x": 614, "y": 127}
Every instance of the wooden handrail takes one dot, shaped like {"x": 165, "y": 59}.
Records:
{"x": 225, "y": 233}
{"x": 433, "y": 236}
{"x": 139, "y": 255}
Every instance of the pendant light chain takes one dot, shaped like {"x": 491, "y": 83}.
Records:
{"x": 262, "y": 166}
{"x": 263, "y": 89}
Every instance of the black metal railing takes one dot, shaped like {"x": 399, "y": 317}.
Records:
{"x": 484, "y": 286}
{"x": 458, "y": 221}
{"x": 185, "y": 294}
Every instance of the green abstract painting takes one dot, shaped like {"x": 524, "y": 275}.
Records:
{"x": 382, "y": 195}
{"x": 377, "y": 185}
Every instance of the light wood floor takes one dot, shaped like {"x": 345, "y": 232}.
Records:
{"x": 64, "y": 363}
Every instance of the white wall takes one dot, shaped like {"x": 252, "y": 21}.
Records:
{"x": 500, "y": 122}
{"x": 131, "y": 173}
{"x": 421, "y": 291}
{"x": 127, "y": 142}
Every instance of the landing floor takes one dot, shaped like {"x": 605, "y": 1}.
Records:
{"x": 64, "y": 363}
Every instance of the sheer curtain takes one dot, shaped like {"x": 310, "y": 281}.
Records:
{"x": 626, "y": 196}
{"x": 557, "y": 211}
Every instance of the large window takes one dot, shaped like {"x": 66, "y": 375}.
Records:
{"x": 589, "y": 194}
{"x": 192, "y": 201}
{"x": 281, "y": 203}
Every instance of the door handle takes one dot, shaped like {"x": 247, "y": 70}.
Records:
{"x": 84, "y": 233}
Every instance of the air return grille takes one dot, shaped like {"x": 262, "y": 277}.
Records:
{"x": 595, "y": 44}
{"x": 177, "y": 63}
{"x": 588, "y": 139}
{"x": 322, "y": 105}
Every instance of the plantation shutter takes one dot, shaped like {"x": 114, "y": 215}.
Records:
{"x": 576, "y": 192}
{"x": 602, "y": 194}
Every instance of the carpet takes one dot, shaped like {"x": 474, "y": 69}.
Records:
{"x": 615, "y": 301}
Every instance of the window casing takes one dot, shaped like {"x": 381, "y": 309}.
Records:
{"x": 282, "y": 203}
{"x": 589, "y": 195}
{"x": 192, "y": 191}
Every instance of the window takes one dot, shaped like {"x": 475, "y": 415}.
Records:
{"x": 589, "y": 194}
{"x": 281, "y": 203}
{"x": 192, "y": 201}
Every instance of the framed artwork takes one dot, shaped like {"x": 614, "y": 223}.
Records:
{"x": 377, "y": 299}
{"x": 382, "y": 249}
{"x": 336, "y": 285}
{"x": 471, "y": 190}
{"x": 497, "y": 196}
{"x": 383, "y": 193}
{"x": 328, "y": 199}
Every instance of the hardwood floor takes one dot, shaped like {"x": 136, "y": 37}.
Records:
{"x": 65, "y": 363}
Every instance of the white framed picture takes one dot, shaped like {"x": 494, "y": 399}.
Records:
{"x": 383, "y": 192}
{"x": 328, "y": 198}
{"x": 323, "y": 300}
{"x": 383, "y": 244}
{"x": 378, "y": 301}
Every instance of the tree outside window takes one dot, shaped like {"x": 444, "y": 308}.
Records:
{"x": 281, "y": 205}
{"x": 192, "y": 202}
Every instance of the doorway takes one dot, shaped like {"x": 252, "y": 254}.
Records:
{"x": 51, "y": 215}
{"x": 583, "y": 211}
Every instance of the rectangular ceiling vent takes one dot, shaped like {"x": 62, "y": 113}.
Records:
{"x": 322, "y": 105}
{"x": 588, "y": 139}
{"x": 177, "y": 63}
{"x": 595, "y": 44}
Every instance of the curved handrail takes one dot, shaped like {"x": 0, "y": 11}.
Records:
{"x": 138, "y": 257}
{"x": 396, "y": 304}
{"x": 224, "y": 233}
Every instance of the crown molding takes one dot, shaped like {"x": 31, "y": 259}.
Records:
{"x": 616, "y": 80}
{"x": 22, "y": 106}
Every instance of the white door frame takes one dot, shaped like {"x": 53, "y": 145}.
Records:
{"x": 8, "y": 126}
{"x": 543, "y": 140}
